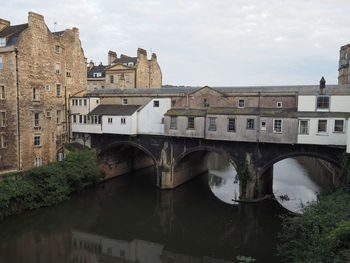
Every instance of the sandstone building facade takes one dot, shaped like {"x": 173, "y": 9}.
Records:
{"x": 125, "y": 72}
{"x": 39, "y": 71}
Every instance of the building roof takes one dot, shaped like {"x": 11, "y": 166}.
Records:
{"x": 12, "y": 33}
{"x": 125, "y": 59}
{"x": 300, "y": 89}
{"x": 117, "y": 110}
{"x": 186, "y": 112}
{"x": 96, "y": 69}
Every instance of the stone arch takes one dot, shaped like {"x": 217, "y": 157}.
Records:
{"x": 113, "y": 163}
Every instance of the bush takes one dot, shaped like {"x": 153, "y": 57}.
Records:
{"x": 47, "y": 185}
{"x": 321, "y": 233}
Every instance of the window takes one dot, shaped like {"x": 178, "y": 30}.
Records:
{"x": 338, "y": 125}
{"x": 322, "y": 126}
{"x": 85, "y": 102}
{"x": 74, "y": 118}
{"x": 303, "y": 126}
{"x": 2, "y": 92}
{"x": 231, "y": 125}
{"x": 58, "y": 90}
{"x": 0, "y": 62}
{"x": 95, "y": 86}
{"x": 241, "y": 103}
{"x": 80, "y": 102}
{"x": 85, "y": 119}
{"x": 58, "y": 69}
{"x": 173, "y": 122}
{"x": 47, "y": 87}
{"x": 110, "y": 120}
{"x": 190, "y": 123}
{"x": 88, "y": 86}
{"x": 127, "y": 78}
{"x": 279, "y": 104}
{"x": 36, "y": 119}
{"x": 173, "y": 103}
{"x": 212, "y": 124}
{"x": 3, "y": 119}
{"x": 3, "y": 141}
{"x": 206, "y": 103}
{"x": 3, "y": 42}
{"x": 263, "y": 126}
{"x": 122, "y": 121}
{"x": 322, "y": 102}
{"x": 35, "y": 94}
{"x": 80, "y": 118}
{"x": 125, "y": 101}
{"x": 38, "y": 161}
{"x": 130, "y": 64}
{"x": 57, "y": 48}
{"x": 59, "y": 157}
{"x": 277, "y": 126}
{"x": 97, "y": 74}
{"x": 102, "y": 86}
{"x": 58, "y": 115}
{"x": 37, "y": 139}
{"x": 97, "y": 101}
{"x": 68, "y": 73}
{"x": 48, "y": 114}
{"x": 111, "y": 79}
{"x": 250, "y": 124}
{"x": 156, "y": 103}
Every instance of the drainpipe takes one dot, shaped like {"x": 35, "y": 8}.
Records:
{"x": 18, "y": 117}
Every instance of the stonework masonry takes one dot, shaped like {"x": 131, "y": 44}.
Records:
{"x": 344, "y": 68}
{"x": 51, "y": 68}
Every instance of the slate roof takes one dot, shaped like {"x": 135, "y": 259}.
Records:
{"x": 186, "y": 112}
{"x": 12, "y": 33}
{"x": 117, "y": 110}
{"x": 125, "y": 60}
{"x": 96, "y": 69}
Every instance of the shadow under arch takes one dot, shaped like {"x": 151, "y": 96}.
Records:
{"x": 123, "y": 157}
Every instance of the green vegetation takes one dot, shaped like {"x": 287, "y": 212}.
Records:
{"x": 346, "y": 164}
{"x": 47, "y": 185}
{"x": 321, "y": 233}
{"x": 243, "y": 259}
{"x": 243, "y": 175}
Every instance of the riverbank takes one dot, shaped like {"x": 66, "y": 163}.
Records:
{"x": 321, "y": 233}
{"x": 47, "y": 185}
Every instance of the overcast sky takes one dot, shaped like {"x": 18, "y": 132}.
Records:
{"x": 208, "y": 42}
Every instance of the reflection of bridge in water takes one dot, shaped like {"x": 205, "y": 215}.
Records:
{"x": 92, "y": 248}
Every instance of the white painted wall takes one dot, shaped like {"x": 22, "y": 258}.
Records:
{"x": 150, "y": 117}
{"x": 306, "y": 103}
{"x": 329, "y": 138}
{"x": 116, "y": 127}
{"x": 91, "y": 103}
{"x": 340, "y": 103}
{"x": 86, "y": 128}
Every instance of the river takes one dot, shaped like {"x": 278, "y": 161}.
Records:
{"x": 127, "y": 219}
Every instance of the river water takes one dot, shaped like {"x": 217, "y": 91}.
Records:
{"x": 127, "y": 219}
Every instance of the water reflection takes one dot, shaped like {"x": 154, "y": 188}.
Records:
{"x": 128, "y": 220}
{"x": 222, "y": 180}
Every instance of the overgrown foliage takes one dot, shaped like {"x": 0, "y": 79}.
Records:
{"x": 321, "y": 233}
{"x": 346, "y": 164}
{"x": 48, "y": 184}
{"x": 243, "y": 175}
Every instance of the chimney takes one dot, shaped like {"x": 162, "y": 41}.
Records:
{"x": 154, "y": 56}
{"x": 124, "y": 56}
{"x": 91, "y": 64}
{"x": 322, "y": 85}
{"x": 4, "y": 23}
{"x": 35, "y": 19}
{"x": 111, "y": 57}
{"x": 141, "y": 52}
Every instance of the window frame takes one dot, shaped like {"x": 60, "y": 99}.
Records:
{"x": 58, "y": 90}
{"x": 3, "y": 141}
{"x": 318, "y": 126}
{"x": 3, "y": 42}
{"x": 156, "y": 104}
{"x": 124, "y": 101}
{"x": 58, "y": 68}
{"x": 239, "y": 104}
{"x": 37, "y": 140}
{"x": 229, "y": 124}
{"x": 206, "y": 103}
{"x": 38, "y": 161}
{"x": 36, "y": 94}
{"x": 58, "y": 117}
{"x": 334, "y": 126}
{"x": 110, "y": 120}
{"x": 122, "y": 121}
{"x": 263, "y": 127}
{"x": 3, "y": 92}
{"x": 1, "y": 63}
{"x": 318, "y": 107}
{"x": 3, "y": 119}
{"x": 274, "y": 126}
{"x": 250, "y": 127}
{"x": 36, "y": 119}
{"x": 173, "y": 122}
{"x": 279, "y": 104}
{"x": 111, "y": 78}
{"x": 190, "y": 123}
{"x": 212, "y": 124}
{"x": 307, "y": 132}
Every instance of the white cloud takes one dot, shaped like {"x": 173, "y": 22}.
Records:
{"x": 207, "y": 42}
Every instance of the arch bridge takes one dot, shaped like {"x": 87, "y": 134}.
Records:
{"x": 179, "y": 159}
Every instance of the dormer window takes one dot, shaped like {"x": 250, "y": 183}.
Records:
{"x": 3, "y": 42}
{"x": 322, "y": 102}
{"x": 130, "y": 64}
{"x": 97, "y": 74}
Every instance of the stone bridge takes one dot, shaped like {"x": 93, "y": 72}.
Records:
{"x": 179, "y": 159}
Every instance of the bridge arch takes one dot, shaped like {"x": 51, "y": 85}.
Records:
{"x": 122, "y": 157}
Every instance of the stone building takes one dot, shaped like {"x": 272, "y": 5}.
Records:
{"x": 344, "y": 61}
{"x": 125, "y": 72}
{"x": 39, "y": 71}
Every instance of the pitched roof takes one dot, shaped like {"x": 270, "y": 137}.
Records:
{"x": 125, "y": 59}
{"x": 12, "y": 33}
{"x": 96, "y": 69}
{"x": 117, "y": 110}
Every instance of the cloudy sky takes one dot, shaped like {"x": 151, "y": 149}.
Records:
{"x": 208, "y": 42}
